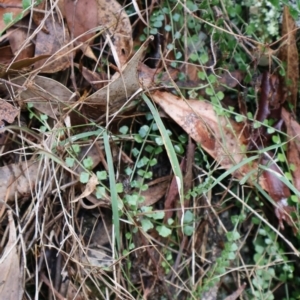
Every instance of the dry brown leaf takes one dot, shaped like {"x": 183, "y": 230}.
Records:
{"x": 154, "y": 193}
{"x": 17, "y": 179}
{"x": 17, "y": 66}
{"x": 88, "y": 188}
{"x": 108, "y": 14}
{"x": 118, "y": 91}
{"x": 8, "y": 112}
{"x": 47, "y": 95}
{"x": 6, "y": 55}
{"x": 289, "y": 54}
{"x": 76, "y": 13}
{"x": 17, "y": 36}
{"x": 10, "y": 279}
{"x": 55, "y": 41}
{"x": 96, "y": 80}
{"x": 237, "y": 293}
{"x": 293, "y": 151}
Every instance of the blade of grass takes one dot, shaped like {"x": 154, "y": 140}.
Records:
{"x": 113, "y": 190}
{"x": 169, "y": 148}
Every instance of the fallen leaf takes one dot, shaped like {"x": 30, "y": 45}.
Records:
{"x": 108, "y": 14}
{"x": 17, "y": 179}
{"x": 47, "y": 95}
{"x": 17, "y": 36}
{"x": 20, "y": 65}
{"x": 88, "y": 188}
{"x": 237, "y": 293}
{"x": 96, "y": 80}
{"x": 56, "y": 44}
{"x": 289, "y": 54}
{"x": 8, "y": 112}
{"x": 119, "y": 91}
{"x": 10, "y": 279}
{"x": 153, "y": 194}
{"x": 293, "y": 146}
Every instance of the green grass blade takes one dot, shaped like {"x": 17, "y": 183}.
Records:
{"x": 113, "y": 191}
{"x": 168, "y": 145}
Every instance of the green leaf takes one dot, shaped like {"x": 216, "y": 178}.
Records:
{"x": 231, "y": 255}
{"x": 220, "y": 95}
{"x": 149, "y": 148}
{"x": 233, "y": 247}
{"x": 170, "y": 221}
{"x": 100, "y": 192}
{"x": 176, "y": 17}
{"x": 135, "y": 152}
{"x": 44, "y": 117}
{"x": 124, "y": 129}
{"x": 158, "y": 215}
{"x": 146, "y": 224}
{"x": 177, "y": 35}
{"x": 163, "y": 231}
{"x": 88, "y": 163}
{"x": 168, "y": 27}
{"x": 144, "y": 131}
{"x": 209, "y": 91}
{"x": 101, "y": 175}
{"x": 239, "y": 118}
{"x": 157, "y": 24}
{"x": 7, "y": 18}
{"x": 188, "y": 217}
{"x": 76, "y": 148}
{"x": 179, "y": 148}
{"x": 201, "y": 75}
{"x": 84, "y": 177}
{"x": 233, "y": 236}
{"x": 70, "y": 162}
{"x": 119, "y": 187}
{"x": 276, "y": 139}
{"x": 138, "y": 138}
{"x": 26, "y": 3}
{"x": 142, "y": 162}
{"x": 203, "y": 58}
{"x": 188, "y": 230}
{"x": 132, "y": 199}
{"x": 294, "y": 198}
{"x": 281, "y": 157}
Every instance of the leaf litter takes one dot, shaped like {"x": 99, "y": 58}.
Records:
{"x": 39, "y": 160}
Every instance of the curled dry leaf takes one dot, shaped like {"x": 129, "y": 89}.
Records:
{"x": 118, "y": 91}
{"x": 88, "y": 188}
{"x": 289, "y": 54}
{"x": 108, "y": 14}
{"x": 96, "y": 80}
{"x": 10, "y": 279}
